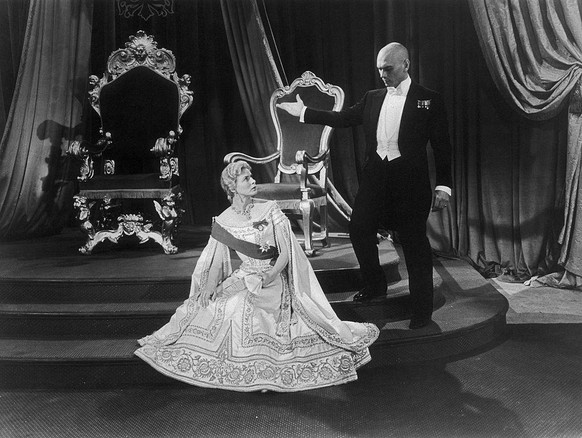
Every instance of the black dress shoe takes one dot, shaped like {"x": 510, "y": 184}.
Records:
{"x": 417, "y": 323}
{"x": 369, "y": 293}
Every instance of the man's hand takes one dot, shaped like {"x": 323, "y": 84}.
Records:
{"x": 440, "y": 200}
{"x": 293, "y": 108}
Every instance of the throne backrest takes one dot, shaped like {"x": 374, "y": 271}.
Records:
{"x": 137, "y": 108}
{"x": 293, "y": 135}
{"x": 140, "y": 99}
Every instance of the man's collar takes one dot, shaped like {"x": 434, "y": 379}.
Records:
{"x": 402, "y": 88}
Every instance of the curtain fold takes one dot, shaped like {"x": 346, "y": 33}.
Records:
{"x": 45, "y": 115}
{"x": 13, "y": 19}
{"x": 534, "y": 53}
{"x": 256, "y": 73}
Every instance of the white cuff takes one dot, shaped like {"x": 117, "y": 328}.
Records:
{"x": 302, "y": 115}
{"x": 445, "y": 189}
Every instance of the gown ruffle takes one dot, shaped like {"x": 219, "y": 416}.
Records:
{"x": 282, "y": 337}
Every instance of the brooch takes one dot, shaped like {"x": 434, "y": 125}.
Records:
{"x": 263, "y": 243}
{"x": 260, "y": 225}
{"x": 423, "y": 104}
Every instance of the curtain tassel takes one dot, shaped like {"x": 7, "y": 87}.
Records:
{"x": 576, "y": 99}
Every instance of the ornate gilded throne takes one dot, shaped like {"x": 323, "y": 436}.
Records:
{"x": 129, "y": 179}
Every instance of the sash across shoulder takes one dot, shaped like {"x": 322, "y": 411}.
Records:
{"x": 247, "y": 248}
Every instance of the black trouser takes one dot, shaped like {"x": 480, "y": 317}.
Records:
{"x": 395, "y": 195}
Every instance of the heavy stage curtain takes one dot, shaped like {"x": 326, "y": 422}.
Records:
{"x": 13, "y": 18}
{"x": 256, "y": 72}
{"x": 35, "y": 191}
{"x": 534, "y": 53}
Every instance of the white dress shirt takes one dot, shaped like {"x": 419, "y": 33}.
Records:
{"x": 389, "y": 121}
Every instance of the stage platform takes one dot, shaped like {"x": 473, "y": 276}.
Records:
{"x": 69, "y": 320}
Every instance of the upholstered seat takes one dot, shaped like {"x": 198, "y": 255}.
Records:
{"x": 291, "y": 192}
{"x": 140, "y": 101}
{"x": 302, "y": 157}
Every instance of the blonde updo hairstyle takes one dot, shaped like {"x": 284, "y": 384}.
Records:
{"x": 229, "y": 175}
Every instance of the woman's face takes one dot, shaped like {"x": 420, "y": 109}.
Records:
{"x": 245, "y": 184}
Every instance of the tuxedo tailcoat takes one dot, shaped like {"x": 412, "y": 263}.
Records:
{"x": 397, "y": 194}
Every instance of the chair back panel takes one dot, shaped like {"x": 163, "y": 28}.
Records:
{"x": 293, "y": 135}
{"x": 137, "y": 108}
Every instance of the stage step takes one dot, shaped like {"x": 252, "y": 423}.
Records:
{"x": 123, "y": 320}
{"x": 154, "y": 288}
{"x": 68, "y": 321}
{"x": 470, "y": 318}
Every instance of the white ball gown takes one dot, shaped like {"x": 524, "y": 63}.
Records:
{"x": 281, "y": 337}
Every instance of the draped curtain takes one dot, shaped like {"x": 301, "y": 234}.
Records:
{"x": 534, "y": 53}
{"x": 45, "y": 115}
{"x": 256, "y": 73}
{"x": 13, "y": 18}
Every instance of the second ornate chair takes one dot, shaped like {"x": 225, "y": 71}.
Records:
{"x": 302, "y": 157}
{"x": 140, "y": 100}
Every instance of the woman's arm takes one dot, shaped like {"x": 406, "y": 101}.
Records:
{"x": 210, "y": 288}
{"x": 279, "y": 222}
{"x": 281, "y": 262}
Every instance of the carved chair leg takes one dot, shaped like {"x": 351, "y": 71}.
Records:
{"x": 323, "y": 221}
{"x": 100, "y": 236}
{"x": 307, "y": 207}
{"x": 170, "y": 213}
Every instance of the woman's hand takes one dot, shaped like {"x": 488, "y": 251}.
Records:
{"x": 268, "y": 277}
{"x": 205, "y": 297}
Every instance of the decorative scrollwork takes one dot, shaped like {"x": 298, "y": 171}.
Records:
{"x": 84, "y": 214}
{"x": 165, "y": 170}
{"x": 141, "y": 49}
{"x": 109, "y": 167}
{"x": 77, "y": 150}
{"x": 95, "y": 83}
{"x": 104, "y": 224}
{"x": 186, "y": 95}
{"x": 174, "y": 167}
{"x": 145, "y": 8}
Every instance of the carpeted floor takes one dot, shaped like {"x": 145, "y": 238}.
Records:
{"x": 530, "y": 386}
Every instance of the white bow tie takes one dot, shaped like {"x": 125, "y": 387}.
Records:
{"x": 391, "y": 90}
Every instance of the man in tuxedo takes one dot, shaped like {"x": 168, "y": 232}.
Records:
{"x": 395, "y": 190}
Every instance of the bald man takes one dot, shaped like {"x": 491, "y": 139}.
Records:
{"x": 395, "y": 191}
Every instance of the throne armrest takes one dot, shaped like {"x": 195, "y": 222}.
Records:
{"x": 84, "y": 151}
{"x": 304, "y": 160}
{"x": 238, "y": 156}
{"x": 164, "y": 146}
{"x": 81, "y": 148}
